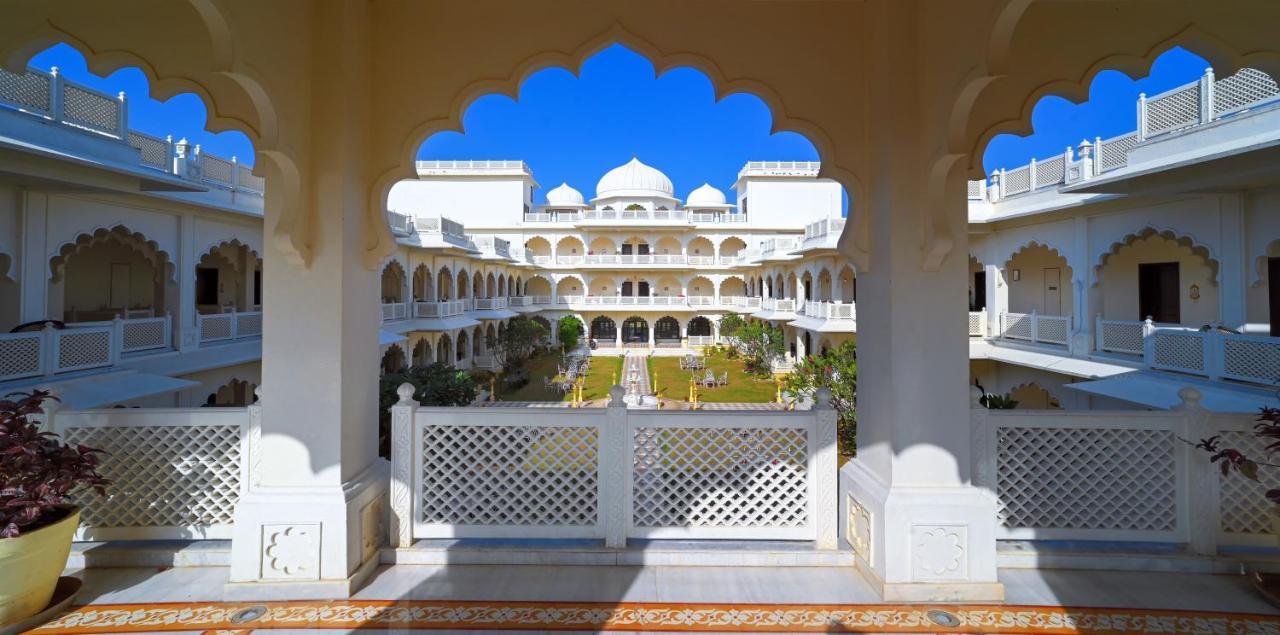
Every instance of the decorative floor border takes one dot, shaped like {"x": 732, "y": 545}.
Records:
{"x": 245, "y": 617}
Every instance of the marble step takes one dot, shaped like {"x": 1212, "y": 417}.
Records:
{"x": 711, "y": 553}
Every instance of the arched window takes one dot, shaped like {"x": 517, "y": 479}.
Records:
{"x": 699, "y": 327}
{"x": 666, "y": 331}
{"x": 604, "y": 328}
{"x": 635, "y": 330}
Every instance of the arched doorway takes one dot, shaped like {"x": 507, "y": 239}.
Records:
{"x": 635, "y": 330}
{"x": 604, "y": 329}
{"x": 666, "y": 331}
{"x": 444, "y": 349}
{"x": 393, "y": 361}
{"x": 699, "y": 327}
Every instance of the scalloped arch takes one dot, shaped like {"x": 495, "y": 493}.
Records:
{"x": 1033, "y": 244}
{"x": 158, "y": 257}
{"x": 854, "y": 246}
{"x": 1182, "y": 240}
{"x": 1053, "y": 399}
{"x": 217, "y": 243}
{"x": 1272, "y": 250}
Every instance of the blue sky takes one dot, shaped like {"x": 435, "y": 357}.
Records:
{"x": 574, "y": 129}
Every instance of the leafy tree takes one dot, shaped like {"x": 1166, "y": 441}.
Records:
{"x": 730, "y": 324}
{"x": 569, "y": 329}
{"x": 517, "y": 342}
{"x": 837, "y": 369}
{"x": 759, "y": 343}
{"x": 436, "y": 384}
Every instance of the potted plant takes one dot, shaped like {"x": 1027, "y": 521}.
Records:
{"x": 38, "y": 476}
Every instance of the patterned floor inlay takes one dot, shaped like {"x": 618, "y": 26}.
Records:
{"x": 652, "y": 617}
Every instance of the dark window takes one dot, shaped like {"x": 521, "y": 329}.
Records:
{"x": 635, "y": 329}
{"x": 1158, "y": 292}
{"x": 257, "y": 287}
{"x": 644, "y": 289}
{"x": 666, "y": 329}
{"x": 979, "y": 300}
{"x": 643, "y": 249}
{"x": 626, "y": 249}
{"x": 206, "y": 285}
{"x": 626, "y": 288}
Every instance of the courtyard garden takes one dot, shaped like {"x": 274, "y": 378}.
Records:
{"x": 595, "y": 386}
{"x": 742, "y": 387}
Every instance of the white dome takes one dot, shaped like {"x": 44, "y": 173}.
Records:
{"x": 705, "y": 196}
{"x": 634, "y": 179}
{"x": 564, "y": 195}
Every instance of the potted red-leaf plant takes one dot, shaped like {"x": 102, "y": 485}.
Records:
{"x": 39, "y": 474}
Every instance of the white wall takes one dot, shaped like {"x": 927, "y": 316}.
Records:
{"x": 476, "y": 202}
{"x": 786, "y": 202}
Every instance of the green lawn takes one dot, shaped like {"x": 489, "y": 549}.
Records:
{"x": 673, "y": 383}
{"x": 596, "y": 385}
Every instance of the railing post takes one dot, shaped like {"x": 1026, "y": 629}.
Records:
{"x": 171, "y": 155}
{"x": 235, "y": 325}
{"x": 122, "y": 118}
{"x": 1202, "y": 511}
{"x": 235, "y": 174}
{"x": 1035, "y": 326}
{"x": 1213, "y": 354}
{"x": 55, "y": 94}
{"x": 1148, "y": 342}
{"x": 1031, "y": 175}
{"x": 1206, "y": 96}
{"x": 823, "y": 453}
{"x": 1142, "y": 117}
{"x": 48, "y": 349}
{"x": 615, "y": 460}
{"x": 1004, "y": 188}
{"x": 116, "y": 343}
{"x": 1097, "y": 156}
{"x": 402, "y": 481}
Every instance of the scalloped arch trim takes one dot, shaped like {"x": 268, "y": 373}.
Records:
{"x": 1182, "y": 240}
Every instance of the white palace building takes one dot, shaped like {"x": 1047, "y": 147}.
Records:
{"x": 1104, "y": 282}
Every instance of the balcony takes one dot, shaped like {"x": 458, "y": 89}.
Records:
{"x": 447, "y": 308}
{"x": 830, "y": 310}
{"x": 87, "y": 345}
{"x": 629, "y": 218}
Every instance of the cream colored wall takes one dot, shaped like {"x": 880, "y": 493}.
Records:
{"x": 1262, "y": 235}
{"x": 572, "y": 286}
{"x": 87, "y": 279}
{"x": 1028, "y": 293}
{"x": 603, "y": 246}
{"x": 537, "y": 286}
{"x": 670, "y": 246}
{"x": 1119, "y": 280}
{"x": 10, "y": 303}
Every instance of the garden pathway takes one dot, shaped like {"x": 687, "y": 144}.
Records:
{"x": 639, "y": 364}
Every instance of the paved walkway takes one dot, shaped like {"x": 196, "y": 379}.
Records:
{"x": 664, "y": 599}
{"x": 638, "y": 364}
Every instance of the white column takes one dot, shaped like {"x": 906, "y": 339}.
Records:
{"x": 187, "y": 260}
{"x": 34, "y": 268}
{"x": 997, "y": 297}
{"x": 922, "y": 531}
{"x": 307, "y": 522}
{"x": 1081, "y": 273}
{"x": 1233, "y": 266}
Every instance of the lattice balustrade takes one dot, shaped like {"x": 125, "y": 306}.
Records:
{"x": 154, "y": 152}
{"x": 1174, "y": 110}
{"x": 720, "y": 477}
{"x": 1086, "y": 478}
{"x": 89, "y": 109}
{"x": 1053, "y": 329}
{"x": 509, "y": 475}
{"x": 249, "y": 181}
{"x": 141, "y": 335}
{"x": 1017, "y": 181}
{"x": 1050, "y": 172}
{"x": 1246, "y": 88}
{"x": 975, "y": 189}
{"x": 1017, "y": 326}
{"x": 163, "y": 476}
{"x": 248, "y": 324}
{"x": 1114, "y": 153}
{"x": 20, "y": 355}
{"x": 1121, "y": 337}
{"x": 1251, "y": 358}
{"x": 976, "y": 324}
{"x": 1245, "y": 509}
{"x": 216, "y": 169}
{"x": 29, "y": 91}
{"x": 82, "y": 348}
{"x": 1179, "y": 351}
{"x": 215, "y": 327}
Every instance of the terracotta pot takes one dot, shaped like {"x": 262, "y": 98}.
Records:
{"x": 30, "y": 565}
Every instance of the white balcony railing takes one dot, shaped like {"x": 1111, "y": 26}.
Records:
{"x": 445, "y": 308}
{"x": 978, "y": 323}
{"x": 1032, "y": 327}
{"x": 676, "y": 469}
{"x": 830, "y": 310}
{"x": 541, "y": 299}
{"x": 782, "y": 305}
{"x": 521, "y": 300}
{"x": 701, "y": 300}
{"x": 749, "y": 303}
{"x": 489, "y": 304}
{"x": 392, "y": 311}
{"x": 823, "y": 228}
{"x": 222, "y": 327}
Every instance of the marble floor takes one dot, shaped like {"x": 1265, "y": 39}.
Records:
{"x": 663, "y": 598}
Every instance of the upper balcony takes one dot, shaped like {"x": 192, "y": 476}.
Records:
{"x": 94, "y": 125}
{"x": 780, "y": 168}
{"x": 482, "y": 167}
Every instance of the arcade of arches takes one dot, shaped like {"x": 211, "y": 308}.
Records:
{"x": 928, "y": 84}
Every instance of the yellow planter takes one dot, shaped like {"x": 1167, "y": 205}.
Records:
{"x": 29, "y": 568}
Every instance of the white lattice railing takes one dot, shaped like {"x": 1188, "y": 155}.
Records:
{"x": 747, "y": 303}
{"x": 978, "y": 323}
{"x": 233, "y": 325}
{"x": 49, "y": 96}
{"x": 486, "y": 304}
{"x": 1184, "y": 107}
{"x": 1121, "y": 475}
{"x": 1121, "y": 336}
{"x": 783, "y": 305}
{"x": 612, "y": 474}
{"x": 830, "y": 310}
{"x": 439, "y": 309}
{"x": 1032, "y": 327}
{"x": 394, "y": 311}
{"x": 80, "y": 346}
{"x": 701, "y": 340}
{"x": 175, "y": 473}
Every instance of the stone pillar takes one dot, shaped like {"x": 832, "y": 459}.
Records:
{"x": 187, "y": 261}
{"x": 1234, "y": 265}
{"x": 617, "y": 334}
{"x": 921, "y": 530}
{"x": 309, "y": 520}
{"x": 997, "y": 297}
{"x": 34, "y": 267}
{"x": 1081, "y": 342}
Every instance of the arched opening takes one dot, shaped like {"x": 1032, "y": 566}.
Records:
{"x": 603, "y": 246}
{"x": 668, "y": 286}
{"x": 667, "y": 246}
{"x": 393, "y": 282}
{"x": 236, "y": 393}
{"x": 1161, "y": 275}
{"x": 423, "y": 284}
{"x": 539, "y": 288}
{"x": 1032, "y": 397}
{"x": 823, "y": 292}
{"x": 464, "y": 284}
{"x": 1039, "y": 281}
{"x": 570, "y": 286}
{"x": 603, "y": 329}
{"x": 701, "y": 251}
{"x": 635, "y": 330}
{"x": 116, "y": 273}
{"x": 699, "y": 326}
{"x": 848, "y": 285}
{"x": 464, "y": 346}
{"x": 393, "y": 360}
{"x": 701, "y": 291}
{"x": 479, "y": 339}
{"x": 444, "y": 349}
{"x": 491, "y": 286}
{"x": 666, "y": 332}
{"x": 977, "y": 285}
{"x": 444, "y": 282}
{"x": 779, "y": 286}
{"x": 731, "y": 248}
{"x": 477, "y": 285}
{"x": 604, "y": 286}
{"x": 230, "y": 274}
{"x": 538, "y": 250}
{"x": 569, "y": 251}
{"x": 732, "y": 287}
{"x": 806, "y": 283}
{"x": 545, "y": 324}
{"x": 635, "y": 246}
{"x": 422, "y": 353}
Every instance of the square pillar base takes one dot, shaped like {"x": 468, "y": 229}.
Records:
{"x": 307, "y": 543}
{"x": 920, "y": 544}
